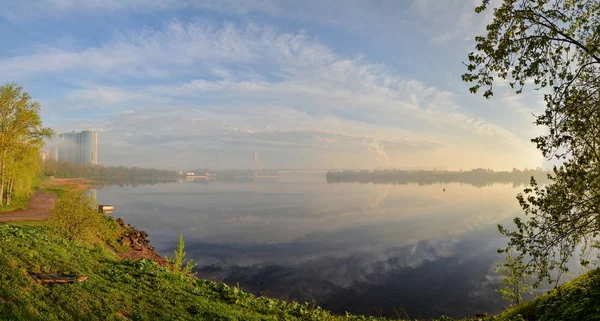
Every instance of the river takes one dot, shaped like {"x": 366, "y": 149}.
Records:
{"x": 395, "y": 250}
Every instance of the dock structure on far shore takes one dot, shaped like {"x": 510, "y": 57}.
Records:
{"x": 193, "y": 176}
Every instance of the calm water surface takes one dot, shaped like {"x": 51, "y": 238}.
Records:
{"x": 362, "y": 248}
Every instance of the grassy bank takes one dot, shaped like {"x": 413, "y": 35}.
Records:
{"x": 46, "y": 274}
{"x": 45, "y": 184}
{"x": 42, "y": 264}
{"x": 117, "y": 289}
{"x": 577, "y": 300}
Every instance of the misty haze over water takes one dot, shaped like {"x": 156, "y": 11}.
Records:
{"x": 428, "y": 249}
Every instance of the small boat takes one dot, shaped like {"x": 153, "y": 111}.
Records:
{"x": 106, "y": 208}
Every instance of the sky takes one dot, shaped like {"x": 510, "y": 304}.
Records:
{"x": 183, "y": 84}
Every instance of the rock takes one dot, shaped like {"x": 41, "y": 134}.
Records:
{"x": 82, "y": 278}
{"x": 137, "y": 243}
{"x": 125, "y": 241}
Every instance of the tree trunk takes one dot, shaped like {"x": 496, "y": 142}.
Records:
{"x": 9, "y": 191}
{"x": 2, "y": 183}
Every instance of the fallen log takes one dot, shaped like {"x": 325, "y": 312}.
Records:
{"x": 45, "y": 278}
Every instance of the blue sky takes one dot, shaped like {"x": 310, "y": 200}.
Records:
{"x": 313, "y": 84}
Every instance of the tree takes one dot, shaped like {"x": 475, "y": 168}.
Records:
{"x": 22, "y": 168}
{"x": 554, "y": 46}
{"x": 21, "y": 138}
{"x": 515, "y": 280}
{"x": 114, "y": 174}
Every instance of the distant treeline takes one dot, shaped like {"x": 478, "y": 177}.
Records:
{"x": 106, "y": 173}
{"x": 476, "y": 177}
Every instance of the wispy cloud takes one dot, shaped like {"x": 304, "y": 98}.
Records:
{"x": 244, "y": 86}
{"x": 453, "y": 20}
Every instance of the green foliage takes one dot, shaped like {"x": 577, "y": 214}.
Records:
{"x": 515, "y": 279}
{"x": 574, "y": 301}
{"x": 16, "y": 203}
{"x": 57, "y": 190}
{"x": 577, "y": 300}
{"x": 76, "y": 218}
{"x": 178, "y": 262}
{"x": 143, "y": 290}
{"x": 120, "y": 290}
{"x": 105, "y": 173}
{"x": 21, "y": 139}
{"x": 553, "y": 45}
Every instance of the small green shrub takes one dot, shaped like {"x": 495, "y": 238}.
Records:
{"x": 75, "y": 218}
{"x": 178, "y": 262}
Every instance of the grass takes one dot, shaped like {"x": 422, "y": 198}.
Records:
{"x": 21, "y": 202}
{"x": 58, "y": 190}
{"x": 50, "y": 187}
{"x": 119, "y": 290}
{"x": 142, "y": 290}
{"x": 577, "y": 300}
{"x": 17, "y": 203}
{"x": 116, "y": 289}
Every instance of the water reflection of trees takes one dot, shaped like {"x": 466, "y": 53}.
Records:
{"x": 106, "y": 173}
{"x": 131, "y": 182}
{"x": 478, "y": 178}
{"x": 104, "y": 176}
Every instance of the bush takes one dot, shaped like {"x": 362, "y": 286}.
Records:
{"x": 75, "y": 218}
{"x": 178, "y": 263}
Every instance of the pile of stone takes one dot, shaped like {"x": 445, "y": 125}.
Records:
{"x": 139, "y": 246}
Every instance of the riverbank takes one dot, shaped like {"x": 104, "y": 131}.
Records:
{"x": 112, "y": 288}
{"x": 117, "y": 276}
{"x": 38, "y": 206}
{"x": 49, "y": 277}
{"x": 45, "y": 277}
{"x": 57, "y": 184}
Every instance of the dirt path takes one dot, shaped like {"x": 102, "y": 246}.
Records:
{"x": 37, "y": 210}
